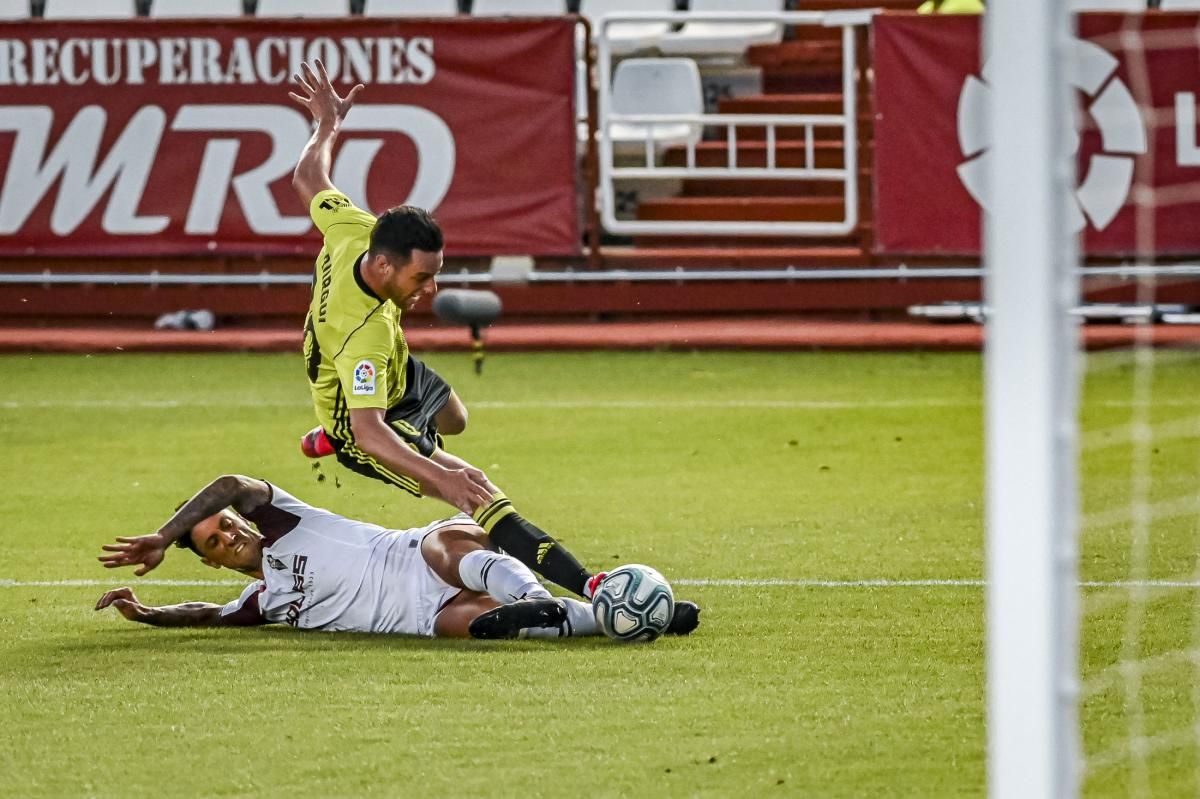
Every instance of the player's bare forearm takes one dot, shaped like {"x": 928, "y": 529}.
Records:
{"x": 328, "y": 109}
{"x": 463, "y": 487}
{"x": 186, "y": 614}
{"x": 311, "y": 175}
{"x": 449, "y": 461}
{"x": 244, "y": 494}
{"x": 374, "y": 437}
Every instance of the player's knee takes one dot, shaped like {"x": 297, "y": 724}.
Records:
{"x": 444, "y": 549}
{"x": 452, "y": 418}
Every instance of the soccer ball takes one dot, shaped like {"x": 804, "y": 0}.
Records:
{"x": 633, "y": 603}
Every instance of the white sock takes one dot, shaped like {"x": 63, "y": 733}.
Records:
{"x": 502, "y": 577}
{"x": 580, "y": 621}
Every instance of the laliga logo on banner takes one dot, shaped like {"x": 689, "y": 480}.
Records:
{"x": 86, "y": 179}
{"x": 1109, "y": 173}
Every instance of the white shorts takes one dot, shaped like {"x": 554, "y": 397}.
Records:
{"x": 428, "y": 592}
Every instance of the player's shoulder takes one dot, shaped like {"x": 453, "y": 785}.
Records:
{"x": 336, "y": 216}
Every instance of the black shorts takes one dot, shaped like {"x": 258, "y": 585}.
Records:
{"x": 413, "y": 419}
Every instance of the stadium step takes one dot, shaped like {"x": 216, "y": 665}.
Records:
{"x": 735, "y": 257}
{"x": 816, "y": 103}
{"x": 748, "y": 187}
{"x": 821, "y": 47}
{"x": 766, "y": 209}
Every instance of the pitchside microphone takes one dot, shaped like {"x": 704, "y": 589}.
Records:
{"x": 473, "y": 308}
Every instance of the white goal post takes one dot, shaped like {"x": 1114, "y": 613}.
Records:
{"x": 1031, "y": 397}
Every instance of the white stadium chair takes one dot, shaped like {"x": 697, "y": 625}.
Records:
{"x": 655, "y": 86}
{"x": 701, "y": 37}
{"x": 89, "y": 9}
{"x": 519, "y": 8}
{"x": 628, "y": 37}
{"x": 1132, "y": 6}
{"x": 1179, "y": 5}
{"x": 303, "y": 8}
{"x": 411, "y": 8}
{"x": 195, "y": 9}
{"x": 14, "y": 9}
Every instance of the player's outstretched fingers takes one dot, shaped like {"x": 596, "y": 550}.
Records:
{"x": 106, "y": 599}
{"x": 311, "y": 81}
{"x": 300, "y": 78}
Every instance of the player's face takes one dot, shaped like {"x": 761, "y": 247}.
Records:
{"x": 410, "y": 283}
{"x": 226, "y": 539}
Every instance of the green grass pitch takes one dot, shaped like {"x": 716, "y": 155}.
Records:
{"x": 725, "y": 470}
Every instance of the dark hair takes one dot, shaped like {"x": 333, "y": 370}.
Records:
{"x": 185, "y": 540}
{"x": 405, "y": 228}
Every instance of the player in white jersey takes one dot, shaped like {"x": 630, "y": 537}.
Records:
{"x": 316, "y": 570}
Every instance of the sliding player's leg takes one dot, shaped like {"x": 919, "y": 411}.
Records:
{"x": 463, "y": 556}
{"x": 536, "y": 549}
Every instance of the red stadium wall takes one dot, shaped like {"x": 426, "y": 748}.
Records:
{"x": 170, "y": 138}
{"x": 931, "y": 139}
{"x": 167, "y": 146}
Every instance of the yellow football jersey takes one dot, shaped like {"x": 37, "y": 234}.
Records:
{"x": 353, "y": 345}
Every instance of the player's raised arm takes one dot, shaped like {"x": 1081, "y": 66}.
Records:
{"x": 328, "y": 110}
{"x": 242, "y": 493}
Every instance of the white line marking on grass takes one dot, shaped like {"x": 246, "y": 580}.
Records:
{"x": 739, "y": 583}
{"x": 543, "y": 405}
{"x": 787, "y": 404}
{"x": 735, "y": 583}
{"x": 531, "y": 405}
{"x": 114, "y": 581}
{"x": 147, "y": 404}
{"x": 701, "y": 582}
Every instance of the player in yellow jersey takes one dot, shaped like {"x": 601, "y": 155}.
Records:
{"x": 380, "y": 409}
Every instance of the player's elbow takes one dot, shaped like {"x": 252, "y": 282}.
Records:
{"x": 302, "y": 185}
{"x": 230, "y": 484}
{"x": 368, "y": 433}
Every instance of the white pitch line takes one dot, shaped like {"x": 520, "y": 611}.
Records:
{"x": 536, "y": 405}
{"x": 116, "y": 580}
{"x": 701, "y": 582}
{"x": 785, "y": 404}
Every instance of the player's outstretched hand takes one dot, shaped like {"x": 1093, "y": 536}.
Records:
{"x": 462, "y": 489}
{"x": 125, "y": 602}
{"x": 144, "y": 551}
{"x": 319, "y": 96}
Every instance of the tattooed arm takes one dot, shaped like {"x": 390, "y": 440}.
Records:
{"x": 185, "y": 614}
{"x": 243, "y": 494}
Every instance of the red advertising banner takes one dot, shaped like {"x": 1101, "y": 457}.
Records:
{"x": 177, "y": 137}
{"x": 1138, "y": 188}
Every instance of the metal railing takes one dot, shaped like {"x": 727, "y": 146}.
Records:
{"x": 678, "y": 275}
{"x": 650, "y": 169}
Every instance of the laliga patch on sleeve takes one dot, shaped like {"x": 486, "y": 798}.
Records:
{"x": 364, "y": 378}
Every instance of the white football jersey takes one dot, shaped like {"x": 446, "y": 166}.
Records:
{"x": 322, "y": 571}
